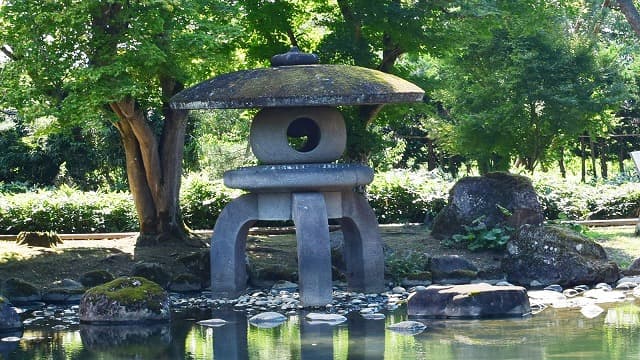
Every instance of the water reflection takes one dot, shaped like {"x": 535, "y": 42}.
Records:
{"x": 127, "y": 341}
{"x": 551, "y": 334}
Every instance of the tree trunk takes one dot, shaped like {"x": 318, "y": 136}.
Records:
{"x": 563, "y": 169}
{"x": 583, "y": 161}
{"x": 592, "y": 147}
{"x": 154, "y": 171}
{"x": 604, "y": 170}
{"x": 631, "y": 14}
{"x": 621, "y": 157}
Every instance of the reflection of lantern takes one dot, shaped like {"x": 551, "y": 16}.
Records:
{"x": 297, "y": 136}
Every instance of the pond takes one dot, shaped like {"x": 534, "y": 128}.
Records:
{"x": 551, "y": 334}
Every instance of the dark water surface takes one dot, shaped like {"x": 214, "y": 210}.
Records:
{"x": 551, "y": 334}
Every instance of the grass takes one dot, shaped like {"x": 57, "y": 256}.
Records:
{"x": 620, "y": 243}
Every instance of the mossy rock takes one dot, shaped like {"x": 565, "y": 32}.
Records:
{"x": 125, "y": 300}
{"x": 20, "y": 292}
{"x": 96, "y": 277}
{"x": 47, "y": 239}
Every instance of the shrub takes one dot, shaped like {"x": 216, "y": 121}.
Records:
{"x": 67, "y": 210}
{"x": 401, "y": 196}
{"x": 202, "y": 200}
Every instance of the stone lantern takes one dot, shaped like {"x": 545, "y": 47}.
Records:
{"x": 297, "y": 136}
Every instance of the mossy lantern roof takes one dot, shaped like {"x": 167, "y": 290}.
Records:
{"x": 295, "y": 79}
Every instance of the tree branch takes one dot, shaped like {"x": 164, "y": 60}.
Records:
{"x": 631, "y": 14}
{"x": 7, "y": 52}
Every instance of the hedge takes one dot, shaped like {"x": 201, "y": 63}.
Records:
{"x": 398, "y": 196}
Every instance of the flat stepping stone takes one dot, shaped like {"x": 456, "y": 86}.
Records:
{"x": 319, "y": 318}
{"x": 469, "y": 301}
{"x": 267, "y": 320}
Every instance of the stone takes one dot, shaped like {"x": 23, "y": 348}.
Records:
{"x": 554, "y": 287}
{"x": 212, "y": 322}
{"x": 125, "y": 300}
{"x": 20, "y": 292}
{"x": 152, "y": 271}
{"x": 302, "y": 85}
{"x": 185, "y": 283}
{"x": 452, "y": 269}
{"x": 634, "y": 268}
{"x": 267, "y": 320}
{"x": 591, "y": 311}
{"x": 407, "y": 327}
{"x": 487, "y": 196}
{"x": 373, "y": 316}
{"x": 548, "y": 297}
{"x": 198, "y": 263}
{"x": 66, "y": 291}
{"x": 469, "y": 301}
{"x": 554, "y": 254}
{"x": 93, "y": 278}
{"x": 319, "y": 318}
{"x": 284, "y": 285}
{"x": 629, "y": 279}
{"x": 605, "y": 296}
{"x": 9, "y": 318}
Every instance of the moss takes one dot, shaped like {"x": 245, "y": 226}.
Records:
{"x": 299, "y": 85}
{"x": 128, "y": 291}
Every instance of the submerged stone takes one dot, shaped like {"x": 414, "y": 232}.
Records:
{"x": 125, "y": 300}
{"x": 408, "y": 327}
{"x": 331, "y": 319}
{"x": 212, "y": 322}
{"x": 9, "y": 318}
{"x": 473, "y": 300}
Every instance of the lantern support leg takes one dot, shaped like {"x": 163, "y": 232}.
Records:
{"x": 363, "y": 252}
{"x": 309, "y": 214}
{"x": 228, "y": 245}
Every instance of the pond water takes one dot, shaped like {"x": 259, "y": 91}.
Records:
{"x": 551, "y": 334}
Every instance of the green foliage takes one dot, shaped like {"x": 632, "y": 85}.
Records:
{"x": 569, "y": 200}
{"x": 479, "y": 237}
{"x": 402, "y": 266}
{"x": 522, "y": 92}
{"x": 403, "y": 196}
{"x": 202, "y": 201}
{"x": 67, "y": 210}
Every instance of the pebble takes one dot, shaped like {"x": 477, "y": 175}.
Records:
{"x": 554, "y": 287}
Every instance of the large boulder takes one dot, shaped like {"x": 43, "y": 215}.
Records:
{"x": 469, "y": 301}
{"x": 545, "y": 255}
{"x": 125, "y": 300}
{"x": 452, "y": 269}
{"x": 499, "y": 198}
{"x": 20, "y": 292}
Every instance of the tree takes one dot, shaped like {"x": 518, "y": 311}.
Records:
{"x": 527, "y": 90}
{"x": 81, "y": 62}
{"x": 372, "y": 34}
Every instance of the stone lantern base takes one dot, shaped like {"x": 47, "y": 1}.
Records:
{"x": 280, "y": 195}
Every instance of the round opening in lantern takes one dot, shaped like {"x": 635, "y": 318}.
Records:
{"x": 303, "y": 134}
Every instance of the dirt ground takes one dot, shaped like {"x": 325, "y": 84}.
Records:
{"x": 43, "y": 266}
